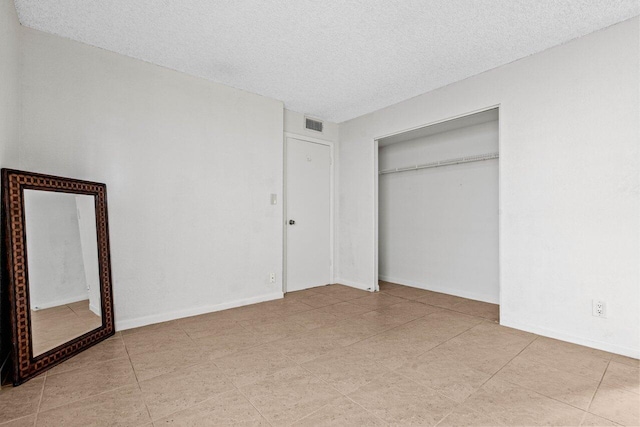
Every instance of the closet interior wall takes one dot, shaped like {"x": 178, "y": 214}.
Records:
{"x": 438, "y": 226}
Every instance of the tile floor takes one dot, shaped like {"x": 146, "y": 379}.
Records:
{"x": 57, "y": 325}
{"x": 333, "y": 356}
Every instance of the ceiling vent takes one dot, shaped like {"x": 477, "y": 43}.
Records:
{"x": 311, "y": 124}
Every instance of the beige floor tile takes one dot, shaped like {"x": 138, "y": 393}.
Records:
{"x": 485, "y": 347}
{"x": 289, "y": 395}
{"x": 282, "y": 307}
{"x": 441, "y": 300}
{"x": 302, "y": 294}
{"x": 625, "y": 360}
{"x": 28, "y": 421}
{"x": 189, "y": 370}
{"x": 210, "y": 326}
{"x": 313, "y": 319}
{"x": 622, "y": 376}
{"x": 376, "y": 300}
{"x": 360, "y": 328}
{"x": 381, "y": 320}
{"x": 400, "y": 401}
{"x": 182, "y": 389}
{"x": 149, "y": 365}
{"x": 596, "y": 421}
{"x": 120, "y": 407}
{"x": 71, "y": 386}
{"x": 154, "y": 340}
{"x": 227, "y": 409}
{"x": 409, "y": 309}
{"x": 342, "y": 412}
{"x": 479, "y": 308}
{"x": 306, "y": 347}
{"x": 173, "y": 324}
{"x": 463, "y": 416}
{"x": 224, "y": 345}
{"x": 319, "y": 300}
{"x": 345, "y": 369}
{"x": 617, "y": 405}
{"x": 391, "y": 349}
{"x": 514, "y": 405}
{"x": 17, "y": 402}
{"x": 384, "y": 286}
{"x": 406, "y": 292}
{"x": 253, "y": 365}
{"x": 568, "y": 357}
{"x": 274, "y": 329}
{"x": 573, "y": 389}
{"x": 434, "y": 329}
{"x": 109, "y": 349}
{"x": 452, "y": 379}
{"x": 346, "y": 309}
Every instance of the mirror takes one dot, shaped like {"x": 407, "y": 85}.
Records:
{"x": 56, "y": 269}
{"x": 64, "y": 284}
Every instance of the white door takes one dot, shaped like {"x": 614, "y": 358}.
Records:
{"x": 308, "y": 214}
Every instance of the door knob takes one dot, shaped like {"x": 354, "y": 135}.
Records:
{"x": 291, "y": 222}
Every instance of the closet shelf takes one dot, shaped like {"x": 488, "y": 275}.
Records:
{"x": 448, "y": 162}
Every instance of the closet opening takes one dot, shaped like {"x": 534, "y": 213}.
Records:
{"x": 437, "y": 214}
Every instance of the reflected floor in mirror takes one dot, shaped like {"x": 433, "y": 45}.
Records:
{"x": 54, "y": 326}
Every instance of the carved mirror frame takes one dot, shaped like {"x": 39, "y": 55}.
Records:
{"x": 16, "y": 277}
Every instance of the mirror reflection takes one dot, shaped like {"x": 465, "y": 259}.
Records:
{"x": 64, "y": 281}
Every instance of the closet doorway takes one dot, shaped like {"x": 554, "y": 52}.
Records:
{"x": 437, "y": 199}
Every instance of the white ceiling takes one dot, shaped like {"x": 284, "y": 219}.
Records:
{"x": 332, "y": 59}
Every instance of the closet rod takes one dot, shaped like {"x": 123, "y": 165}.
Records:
{"x": 448, "y": 162}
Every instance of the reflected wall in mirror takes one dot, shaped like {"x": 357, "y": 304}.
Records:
{"x": 56, "y": 268}
{"x": 64, "y": 285}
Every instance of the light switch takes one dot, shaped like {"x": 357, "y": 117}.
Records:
{"x": 274, "y": 199}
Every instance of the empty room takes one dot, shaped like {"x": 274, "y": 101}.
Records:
{"x": 320, "y": 213}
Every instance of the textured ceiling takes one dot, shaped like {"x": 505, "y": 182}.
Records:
{"x": 333, "y": 59}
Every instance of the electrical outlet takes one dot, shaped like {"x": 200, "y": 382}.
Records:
{"x": 599, "y": 308}
{"x": 272, "y": 278}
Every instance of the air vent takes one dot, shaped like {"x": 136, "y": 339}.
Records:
{"x": 314, "y": 125}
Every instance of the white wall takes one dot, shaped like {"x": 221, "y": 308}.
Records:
{"x": 56, "y": 265}
{"x": 438, "y": 228}
{"x": 569, "y": 204}
{"x": 189, "y": 167}
{"x": 9, "y": 87}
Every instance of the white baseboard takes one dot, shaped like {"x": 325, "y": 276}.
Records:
{"x": 57, "y": 303}
{"x": 353, "y": 284}
{"x": 173, "y": 315}
{"x": 562, "y": 336}
{"x": 456, "y": 292}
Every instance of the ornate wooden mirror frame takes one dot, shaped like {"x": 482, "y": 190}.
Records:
{"x": 16, "y": 278}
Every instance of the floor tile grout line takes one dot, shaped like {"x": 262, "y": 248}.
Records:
{"x": 250, "y": 402}
{"x": 135, "y": 374}
{"x": 604, "y": 373}
{"x": 341, "y": 393}
{"x": 527, "y": 388}
{"x": 459, "y": 404}
{"x": 86, "y": 398}
{"x": 44, "y": 383}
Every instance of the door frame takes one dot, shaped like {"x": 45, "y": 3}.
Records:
{"x": 376, "y": 189}
{"x": 330, "y": 144}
